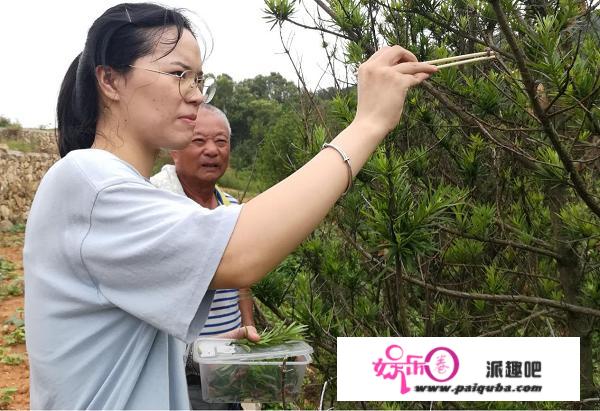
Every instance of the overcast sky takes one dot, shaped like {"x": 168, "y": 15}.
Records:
{"x": 39, "y": 39}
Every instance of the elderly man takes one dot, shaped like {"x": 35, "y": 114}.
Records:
{"x": 194, "y": 174}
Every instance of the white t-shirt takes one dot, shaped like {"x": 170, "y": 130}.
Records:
{"x": 224, "y": 312}
{"x": 116, "y": 277}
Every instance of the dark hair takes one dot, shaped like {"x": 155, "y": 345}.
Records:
{"x": 117, "y": 38}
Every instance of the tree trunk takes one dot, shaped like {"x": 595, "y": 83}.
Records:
{"x": 570, "y": 276}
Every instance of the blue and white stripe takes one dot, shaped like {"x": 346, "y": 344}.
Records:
{"x": 224, "y": 314}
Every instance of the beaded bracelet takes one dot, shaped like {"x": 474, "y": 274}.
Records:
{"x": 346, "y": 160}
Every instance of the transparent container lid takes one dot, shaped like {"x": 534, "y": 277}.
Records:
{"x": 222, "y": 350}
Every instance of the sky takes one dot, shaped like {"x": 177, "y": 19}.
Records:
{"x": 39, "y": 39}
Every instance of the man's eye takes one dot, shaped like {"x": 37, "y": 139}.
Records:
{"x": 199, "y": 141}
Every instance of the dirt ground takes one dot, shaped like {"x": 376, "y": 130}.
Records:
{"x": 12, "y": 376}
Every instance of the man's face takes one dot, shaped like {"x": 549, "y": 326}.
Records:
{"x": 206, "y": 158}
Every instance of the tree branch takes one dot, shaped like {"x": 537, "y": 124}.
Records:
{"x": 517, "y": 323}
{"x": 540, "y": 112}
{"x": 471, "y": 120}
{"x": 479, "y": 296}
{"x": 549, "y": 253}
{"x": 321, "y": 29}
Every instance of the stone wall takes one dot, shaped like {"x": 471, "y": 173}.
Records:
{"x": 20, "y": 173}
{"x": 43, "y": 141}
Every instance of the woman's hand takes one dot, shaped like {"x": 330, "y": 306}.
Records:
{"x": 383, "y": 81}
{"x": 248, "y": 332}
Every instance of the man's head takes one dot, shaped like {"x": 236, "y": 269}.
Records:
{"x": 206, "y": 158}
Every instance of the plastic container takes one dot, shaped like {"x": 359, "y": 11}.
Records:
{"x": 229, "y": 373}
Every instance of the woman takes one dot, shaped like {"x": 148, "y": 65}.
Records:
{"x": 117, "y": 272}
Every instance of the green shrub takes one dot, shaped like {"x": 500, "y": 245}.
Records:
{"x": 14, "y": 129}
{"x": 6, "y": 396}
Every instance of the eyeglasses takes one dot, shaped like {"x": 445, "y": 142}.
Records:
{"x": 190, "y": 81}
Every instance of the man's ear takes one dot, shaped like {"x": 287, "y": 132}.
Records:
{"x": 107, "y": 80}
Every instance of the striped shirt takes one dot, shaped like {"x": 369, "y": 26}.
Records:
{"x": 224, "y": 314}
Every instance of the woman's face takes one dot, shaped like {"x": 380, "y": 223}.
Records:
{"x": 152, "y": 109}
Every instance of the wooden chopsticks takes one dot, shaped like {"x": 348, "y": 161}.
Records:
{"x": 463, "y": 59}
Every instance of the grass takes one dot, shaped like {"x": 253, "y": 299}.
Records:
{"x": 12, "y": 288}
{"x": 12, "y": 283}
{"x": 238, "y": 181}
{"x": 6, "y": 267}
{"x": 11, "y": 137}
{"x": 14, "y": 328}
{"x": 11, "y": 359}
{"x": 15, "y": 337}
{"x": 6, "y": 396}
{"x": 12, "y": 238}
{"x": 22, "y": 146}
{"x": 17, "y": 228}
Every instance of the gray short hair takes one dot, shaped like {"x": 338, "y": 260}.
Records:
{"x": 217, "y": 111}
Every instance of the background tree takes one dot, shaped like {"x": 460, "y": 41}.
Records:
{"x": 479, "y": 215}
{"x": 252, "y": 106}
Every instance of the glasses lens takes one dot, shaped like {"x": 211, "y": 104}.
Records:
{"x": 208, "y": 87}
{"x": 187, "y": 83}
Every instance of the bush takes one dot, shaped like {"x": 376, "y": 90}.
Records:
{"x": 239, "y": 179}
{"x": 14, "y": 129}
{"x": 6, "y": 396}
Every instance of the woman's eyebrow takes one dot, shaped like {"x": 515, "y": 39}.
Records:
{"x": 179, "y": 63}
{"x": 185, "y": 66}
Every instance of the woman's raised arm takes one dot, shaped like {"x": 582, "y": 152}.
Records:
{"x": 274, "y": 223}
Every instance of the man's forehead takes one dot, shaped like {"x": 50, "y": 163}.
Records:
{"x": 205, "y": 116}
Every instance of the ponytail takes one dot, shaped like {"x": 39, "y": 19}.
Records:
{"x": 77, "y": 108}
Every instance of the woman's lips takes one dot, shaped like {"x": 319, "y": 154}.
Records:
{"x": 188, "y": 120}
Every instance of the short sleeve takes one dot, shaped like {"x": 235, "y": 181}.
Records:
{"x": 153, "y": 254}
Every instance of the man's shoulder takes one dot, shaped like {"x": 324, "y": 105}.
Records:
{"x": 162, "y": 179}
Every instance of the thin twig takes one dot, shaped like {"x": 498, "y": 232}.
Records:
{"x": 486, "y": 297}
{"x": 517, "y": 323}
{"x": 537, "y": 250}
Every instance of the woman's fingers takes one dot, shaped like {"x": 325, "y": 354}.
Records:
{"x": 251, "y": 333}
{"x": 391, "y": 55}
{"x": 414, "y": 68}
{"x": 383, "y": 82}
{"x": 248, "y": 332}
{"x": 394, "y": 55}
{"x": 418, "y": 78}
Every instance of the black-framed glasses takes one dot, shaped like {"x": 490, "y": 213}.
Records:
{"x": 190, "y": 81}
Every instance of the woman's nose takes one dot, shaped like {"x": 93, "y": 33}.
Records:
{"x": 195, "y": 97}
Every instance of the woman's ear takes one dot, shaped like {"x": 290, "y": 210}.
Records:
{"x": 107, "y": 81}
